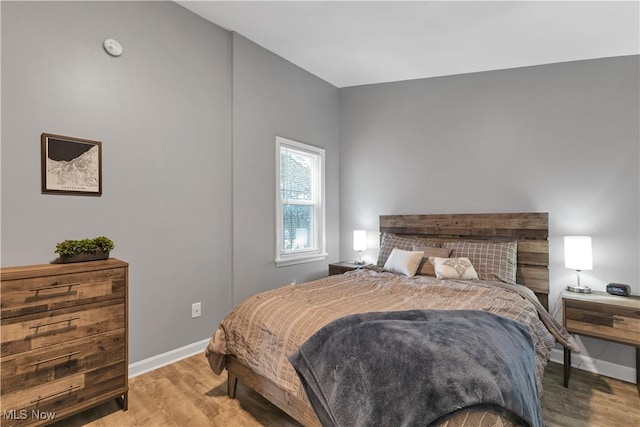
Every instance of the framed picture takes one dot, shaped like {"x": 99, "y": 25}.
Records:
{"x": 71, "y": 165}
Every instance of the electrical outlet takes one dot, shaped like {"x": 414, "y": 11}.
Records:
{"x": 196, "y": 310}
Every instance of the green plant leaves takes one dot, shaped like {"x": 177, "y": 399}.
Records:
{"x": 74, "y": 247}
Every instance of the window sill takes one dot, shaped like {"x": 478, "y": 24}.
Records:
{"x": 283, "y": 262}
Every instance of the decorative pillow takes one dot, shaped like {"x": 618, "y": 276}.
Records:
{"x": 426, "y": 268}
{"x": 403, "y": 262}
{"x": 454, "y": 268}
{"x": 391, "y": 241}
{"x": 492, "y": 260}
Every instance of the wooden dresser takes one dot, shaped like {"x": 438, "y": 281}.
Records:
{"x": 64, "y": 339}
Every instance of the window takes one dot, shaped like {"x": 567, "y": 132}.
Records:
{"x": 300, "y": 217}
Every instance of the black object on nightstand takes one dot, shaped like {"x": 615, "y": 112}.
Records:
{"x": 618, "y": 289}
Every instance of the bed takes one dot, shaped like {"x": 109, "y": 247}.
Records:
{"x": 254, "y": 341}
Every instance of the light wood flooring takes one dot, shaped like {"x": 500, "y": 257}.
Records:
{"x": 188, "y": 393}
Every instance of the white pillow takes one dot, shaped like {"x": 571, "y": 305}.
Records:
{"x": 454, "y": 268}
{"x": 403, "y": 262}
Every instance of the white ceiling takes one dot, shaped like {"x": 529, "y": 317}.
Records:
{"x": 349, "y": 43}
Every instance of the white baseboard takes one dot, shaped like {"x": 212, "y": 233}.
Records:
{"x": 155, "y": 362}
{"x": 596, "y": 366}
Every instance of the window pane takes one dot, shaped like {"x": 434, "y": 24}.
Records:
{"x": 295, "y": 175}
{"x": 298, "y": 227}
{"x": 299, "y": 210}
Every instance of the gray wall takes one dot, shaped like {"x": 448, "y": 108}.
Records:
{"x": 272, "y": 97}
{"x": 559, "y": 138}
{"x": 188, "y": 117}
{"x": 162, "y": 112}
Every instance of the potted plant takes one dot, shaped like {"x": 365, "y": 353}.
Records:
{"x": 85, "y": 249}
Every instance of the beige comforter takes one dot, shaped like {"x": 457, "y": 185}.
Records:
{"x": 265, "y": 328}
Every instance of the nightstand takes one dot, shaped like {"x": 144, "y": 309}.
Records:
{"x": 343, "y": 267}
{"x": 600, "y": 315}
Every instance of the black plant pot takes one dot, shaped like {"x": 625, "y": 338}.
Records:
{"x": 85, "y": 256}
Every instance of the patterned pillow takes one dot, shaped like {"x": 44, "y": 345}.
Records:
{"x": 426, "y": 268}
{"x": 492, "y": 260}
{"x": 391, "y": 241}
{"x": 453, "y": 268}
{"x": 403, "y": 262}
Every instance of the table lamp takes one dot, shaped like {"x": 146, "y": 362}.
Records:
{"x": 359, "y": 244}
{"x": 578, "y": 256}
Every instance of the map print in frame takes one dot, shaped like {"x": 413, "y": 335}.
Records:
{"x": 71, "y": 165}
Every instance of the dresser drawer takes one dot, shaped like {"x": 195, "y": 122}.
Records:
{"x": 45, "y": 329}
{"x": 61, "y": 397}
{"x": 39, "y": 294}
{"x": 60, "y": 361}
{"x": 620, "y": 324}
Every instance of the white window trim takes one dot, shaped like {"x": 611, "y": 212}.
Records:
{"x": 299, "y": 257}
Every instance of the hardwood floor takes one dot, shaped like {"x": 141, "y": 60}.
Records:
{"x": 188, "y": 393}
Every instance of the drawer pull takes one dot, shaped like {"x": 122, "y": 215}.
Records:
{"x": 54, "y": 358}
{"x": 54, "y": 323}
{"x": 69, "y": 390}
{"x": 56, "y": 285}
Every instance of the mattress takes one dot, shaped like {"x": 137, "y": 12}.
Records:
{"x": 263, "y": 330}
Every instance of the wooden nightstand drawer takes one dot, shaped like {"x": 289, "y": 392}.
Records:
{"x": 56, "y": 362}
{"x": 602, "y": 321}
{"x": 343, "y": 267}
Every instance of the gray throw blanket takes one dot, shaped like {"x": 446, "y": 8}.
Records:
{"x": 414, "y": 368}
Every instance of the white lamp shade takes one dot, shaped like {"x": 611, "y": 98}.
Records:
{"x": 577, "y": 253}
{"x": 359, "y": 240}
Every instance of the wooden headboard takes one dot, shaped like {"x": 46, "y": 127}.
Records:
{"x": 531, "y": 230}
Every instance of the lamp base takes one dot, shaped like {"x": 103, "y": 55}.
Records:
{"x": 579, "y": 289}
{"x": 359, "y": 262}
